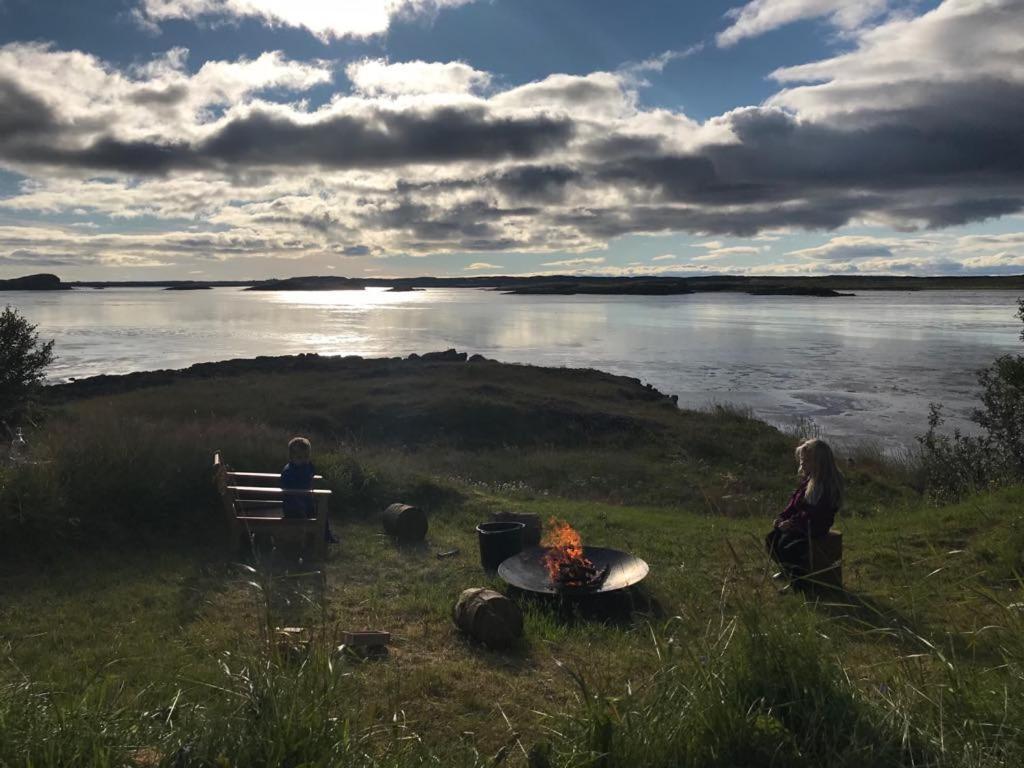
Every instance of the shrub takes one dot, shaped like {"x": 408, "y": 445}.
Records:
{"x": 23, "y": 363}
{"x": 957, "y": 464}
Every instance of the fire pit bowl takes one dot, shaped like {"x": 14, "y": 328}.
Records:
{"x": 528, "y": 572}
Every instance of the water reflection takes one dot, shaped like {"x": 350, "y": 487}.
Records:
{"x": 864, "y": 366}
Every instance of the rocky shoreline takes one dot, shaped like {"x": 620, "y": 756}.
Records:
{"x": 110, "y": 384}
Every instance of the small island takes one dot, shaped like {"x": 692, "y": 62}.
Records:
{"x": 310, "y": 283}
{"x": 40, "y": 282}
{"x": 603, "y": 287}
{"x": 799, "y": 290}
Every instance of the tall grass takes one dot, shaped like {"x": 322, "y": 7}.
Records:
{"x": 753, "y": 690}
{"x": 758, "y": 691}
{"x": 265, "y": 710}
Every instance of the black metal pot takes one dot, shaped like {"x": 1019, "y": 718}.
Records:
{"x": 498, "y": 542}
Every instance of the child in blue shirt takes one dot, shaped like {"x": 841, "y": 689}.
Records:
{"x": 298, "y": 475}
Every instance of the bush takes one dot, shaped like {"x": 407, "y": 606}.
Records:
{"x": 958, "y": 464}
{"x": 23, "y": 363}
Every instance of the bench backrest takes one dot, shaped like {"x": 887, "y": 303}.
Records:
{"x": 256, "y": 493}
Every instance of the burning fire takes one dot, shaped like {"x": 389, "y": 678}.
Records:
{"x": 567, "y": 566}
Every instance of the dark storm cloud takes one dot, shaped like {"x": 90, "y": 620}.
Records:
{"x": 607, "y": 223}
{"x": 21, "y": 113}
{"x": 262, "y": 139}
{"x": 542, "y": 184}
{"x": 470, "y": 225}
{"x": 954, "y": 147}
{"x": 384, "y": 139}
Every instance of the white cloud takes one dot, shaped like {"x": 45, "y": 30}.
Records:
{"x": 159, "y": 99}
{"x": 47, "y": 245}
{"x": 665, "y": 257}
{"x": 861, "y": 247}
{"x": 324, "y": 18}
{"x": 580, "y": 262}
{"x": 912, "y": 62}
{"x": 721, "y": 253}
{"x": 760, "y": 16}
{"x": 375, "y": 77}
{"x": 599, "y": 95}
{"x": 477, "y": 265}
{"x": 662, "y": 60}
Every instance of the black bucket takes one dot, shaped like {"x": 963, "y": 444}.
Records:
{"x": 498, "y": 542}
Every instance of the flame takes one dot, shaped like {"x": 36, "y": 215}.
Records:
{"x": 565, "y": 549}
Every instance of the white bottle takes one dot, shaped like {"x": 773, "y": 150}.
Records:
{"x": 19, "y": 448}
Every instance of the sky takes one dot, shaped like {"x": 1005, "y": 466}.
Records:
{"x": 245, "y": 139}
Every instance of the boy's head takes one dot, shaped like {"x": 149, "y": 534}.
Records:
{"x": 299, "y": 450}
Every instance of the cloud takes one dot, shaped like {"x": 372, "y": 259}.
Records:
{"x": 849, "y": 248}
{"x": 476, "y": 265}
{"x": 721, "y": 253}
{"x": 935, "y": 254}
{"x": 423, "y": 158}
{"x": 39, "y": 246}
{"x": 659, "y": 62}
{"x": 665, "y": 257}
{"x": 956, "y": 57}
{"x": 580, "y": 262}
{"x": 326, "y": 19}
{"x": 760, "y": 16}
{"x": 375, "y": 77}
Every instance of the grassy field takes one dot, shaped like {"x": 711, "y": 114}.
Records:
{"x": 127, "y": 638}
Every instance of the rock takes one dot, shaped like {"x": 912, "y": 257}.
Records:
{"x": 488, "y": 617}
{"x": 477, "y": 358}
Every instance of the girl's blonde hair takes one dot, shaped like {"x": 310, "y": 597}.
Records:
{"x": 824, "y": 481}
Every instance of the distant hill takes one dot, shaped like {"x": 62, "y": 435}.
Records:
{"x": 564, "y": 285}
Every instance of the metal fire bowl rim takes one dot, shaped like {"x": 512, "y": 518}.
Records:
{"x": 532, "y": 557}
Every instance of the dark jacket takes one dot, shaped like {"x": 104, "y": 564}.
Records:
{"x": 298, "y": 477}
{"x": 807, "y": 518}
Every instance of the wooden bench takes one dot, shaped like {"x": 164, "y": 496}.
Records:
{"x": 253, "y": 506}
{"x": 826, "y": 560}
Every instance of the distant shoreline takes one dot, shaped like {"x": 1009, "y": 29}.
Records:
{"x": 561, "y": 285}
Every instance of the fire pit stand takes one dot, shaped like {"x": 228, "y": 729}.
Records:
{"x": 527, "y": 571}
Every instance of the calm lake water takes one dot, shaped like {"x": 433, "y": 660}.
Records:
{"x": 861, "y": 367}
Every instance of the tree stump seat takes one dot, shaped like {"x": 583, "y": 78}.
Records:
{"x": 825, "y": 556}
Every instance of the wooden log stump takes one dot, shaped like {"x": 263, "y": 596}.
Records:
{"x": 826, "y": 560}
{"x": 489, "y": 617}
{"x": 406, "y": 523}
